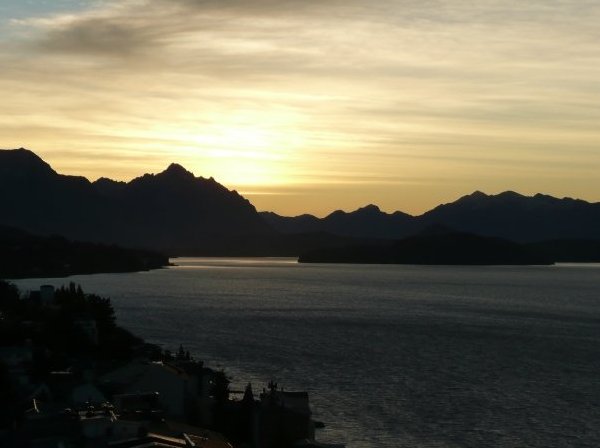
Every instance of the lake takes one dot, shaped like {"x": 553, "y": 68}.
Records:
{"x": 392, "y": 356}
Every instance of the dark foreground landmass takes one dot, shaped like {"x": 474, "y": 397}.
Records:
{"x": 459, "y": 249}
{"x": 71, "y": 377}
{"x": 25, "y": 255}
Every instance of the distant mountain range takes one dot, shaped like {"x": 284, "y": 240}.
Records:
{"x": 366, "y": 222}
{"x": 507, "y": 215}
{"x": 180, "y": 214}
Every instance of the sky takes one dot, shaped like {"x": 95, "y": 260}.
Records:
{"x": 311, "y": 106}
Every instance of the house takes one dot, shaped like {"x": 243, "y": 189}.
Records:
{"x": 44, "y": 297}
{"x": 284, "y": 418}
{"x": 185, "y": 389}
{"x": 96, "y": 423}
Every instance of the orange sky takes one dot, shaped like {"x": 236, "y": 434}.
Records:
{"x": 311, "y": 106}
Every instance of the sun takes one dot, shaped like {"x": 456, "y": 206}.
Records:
{"x": 238, "y": 149}
{"x": 240, "y": 155}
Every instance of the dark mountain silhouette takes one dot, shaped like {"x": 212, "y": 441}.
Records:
{"x": 180, "y": 214}
{"x": 519, "y": 218}
{"x": 170, "y": 211}
{"x": 26, "y": 255}
{"x": 507, "y": 215}
{"x": 366, "y": 222}
{"x": 293, "y": 224}
{"x": 433, "y": 249}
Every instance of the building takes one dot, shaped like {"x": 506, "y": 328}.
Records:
{"x": 185, "y": 390}
{"x": 284, "y": 418}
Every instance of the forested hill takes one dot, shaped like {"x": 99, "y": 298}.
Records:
{"x": 26, "y": 255}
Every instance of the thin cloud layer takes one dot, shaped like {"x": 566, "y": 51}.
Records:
{"x": 436, "y": 96}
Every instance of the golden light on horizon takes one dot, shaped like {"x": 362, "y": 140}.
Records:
{"x": 242, "y": 149}
{"x": 400, "y": 103}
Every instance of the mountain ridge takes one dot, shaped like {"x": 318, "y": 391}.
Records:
{"x": 509, "y": 215}
{"x": 176, "y": 212}
{"x": 167, "y": 211}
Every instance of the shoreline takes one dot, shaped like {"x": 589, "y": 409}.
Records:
{"x": 96, "y": 358}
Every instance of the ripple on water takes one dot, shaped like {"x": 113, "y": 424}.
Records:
{"x": 393, "y": 356}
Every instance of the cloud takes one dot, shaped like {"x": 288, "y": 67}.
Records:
{"x": 96, "y": 36}
{"x": 393, "y": 87}
{"x": 395, "y": 38}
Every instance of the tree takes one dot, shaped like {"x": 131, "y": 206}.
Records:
{"x": 9, "y": 295}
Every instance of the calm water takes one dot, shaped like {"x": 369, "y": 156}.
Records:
{"x": 393, "y": 356}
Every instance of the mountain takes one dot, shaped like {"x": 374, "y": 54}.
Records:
{"x": 177, "y": 213}
{"x": 508, "y": 215}
{"x": 433, "y": 249}
{"x": 366, "y": 222}
{"x": 292, "y": 224}
{"x": 26, "y": 255}
{"x": 519, "y": 218}
{"x": 169, "y": 211}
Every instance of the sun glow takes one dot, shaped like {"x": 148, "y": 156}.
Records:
{"x": 239, "y": 150}
{"x": 404, "y": 103}
{"x": 239, "y": 141}
{"x": 244, "y": 155}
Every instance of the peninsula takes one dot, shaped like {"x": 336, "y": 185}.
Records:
{"x": 442, "y": 249}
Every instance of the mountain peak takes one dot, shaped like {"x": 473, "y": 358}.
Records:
{"x": 510, "y": 195}
{"x": 476, "y": 195}
{"x": 370, "y": 208}
{"x": 176, "y": 170}
{"x": 20, "y": 161}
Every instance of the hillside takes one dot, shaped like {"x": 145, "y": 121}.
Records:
{"x": 170, "y": 211}
{"x": 26, "y": 255}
